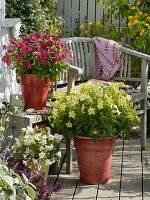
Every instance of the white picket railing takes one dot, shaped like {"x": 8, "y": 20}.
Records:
{"x": 79, "y": 11}
{"x": 9, "y": 27}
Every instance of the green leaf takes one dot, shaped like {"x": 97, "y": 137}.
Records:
{"x": 8, "y": 182}
{"x": 3, "y": 196}
{"x": 31, "y": 192}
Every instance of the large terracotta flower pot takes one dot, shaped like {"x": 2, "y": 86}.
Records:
{"x": 94, "y": 159}
{"x": 35, "y": 91}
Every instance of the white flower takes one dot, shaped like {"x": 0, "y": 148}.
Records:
{"x": 69, "y": 124}
{"x": 16, "y": 97}
{"x": 44, "y": 136}
{"x": 1, "y": 95}
{"x": 49, "y": 148}
{"x": 17, "y": 143}
{"x": 34, "y": 161}
{"x": 23, "y": 129}
{"x": 43, "y": 142}
{"x": 2, "y": 128}
{"x": 50, "y": 137}
{"x": 29, "y": 130}
{"x": 27, "y": 141}
{"x": 48, "y": 162}
{"x": 58, "y": 154}
{"x": 41, "y": 155}
{"x": 58, "y": 137}
{"x": 28, "y": 151}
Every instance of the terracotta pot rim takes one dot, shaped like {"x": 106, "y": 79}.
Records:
{"x": 89, "y": 138}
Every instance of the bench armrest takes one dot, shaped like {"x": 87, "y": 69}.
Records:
{"x": 73, "y": 72}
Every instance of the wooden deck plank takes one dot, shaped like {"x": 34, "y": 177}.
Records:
{"x": 146, "y": 172}
{"x": 131, "y": 184}
{"x": 68, "y": 182}
{"x": 110, "y": 190}
{"x": 86, "y": 191}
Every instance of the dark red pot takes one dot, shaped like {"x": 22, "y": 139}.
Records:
{"x": 35, "y": 91}
{"x": 94, "y": 159}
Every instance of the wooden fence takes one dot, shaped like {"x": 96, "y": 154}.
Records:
{"x": 76, "y": 12}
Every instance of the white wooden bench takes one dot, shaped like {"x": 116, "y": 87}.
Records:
{"x": 84, "y": 58}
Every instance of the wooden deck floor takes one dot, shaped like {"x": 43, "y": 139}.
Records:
{"x": 130, "y": 177}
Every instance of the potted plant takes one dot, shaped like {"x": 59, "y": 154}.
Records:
{"x": 38, "y": 148}
{"x": 94, "y": 116}
{"x": 37, "y": 59}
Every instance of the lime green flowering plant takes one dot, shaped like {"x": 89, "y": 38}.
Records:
{"x": 96, "y": 110}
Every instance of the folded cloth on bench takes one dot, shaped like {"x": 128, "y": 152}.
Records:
{"x": 107, "y": 57}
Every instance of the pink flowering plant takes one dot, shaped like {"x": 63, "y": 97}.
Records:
{"x": 41, "y": 53}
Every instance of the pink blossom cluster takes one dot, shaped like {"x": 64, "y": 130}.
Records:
{"x": 37, "y": 53}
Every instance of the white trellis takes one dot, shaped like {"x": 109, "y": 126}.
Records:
{"x": 9, "y": 27}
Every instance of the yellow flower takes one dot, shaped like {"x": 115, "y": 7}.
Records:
{"x": 90, "y": 23}
{"x": 69, "y": 125}
{"x": 145, "y": 14}
{"x": 138, "y": 3}
{"x": 142, "y": 31}
{"x": 136, "y": 16}
{"x": 72, "y": 114}
{"x": 148, "y": 18}
{"x": 91, "y": 111}
{"x": 98, "y": 23}
{"x": 135, "y": 21}
{"x": 133, "y": 8}
{"x": 130, "y": 17}
{"x": 130, "y": 23}
{"x": 86, "y": 32}
{"x": 81, "y": 26}
{"x": 100, "y": 1}
{"x": 146, "y": 24}
{"x": 140, "y": 13}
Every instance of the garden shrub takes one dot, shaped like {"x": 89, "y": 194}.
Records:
{"x": 35, "y": 15}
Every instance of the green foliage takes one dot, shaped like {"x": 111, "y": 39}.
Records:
{"x": 13, "y": 187}
{"x": 96, "y": 110}
{"x": 134, "y": 24}
{"x": 35, "y": 15}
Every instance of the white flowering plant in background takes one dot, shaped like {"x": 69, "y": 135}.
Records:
{"x": 95, "y": 110}
{"x": 37, "y": 144}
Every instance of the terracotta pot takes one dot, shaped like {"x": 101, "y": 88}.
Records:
{"x": 94, "y": 159}
{"x": 35, "y": 91}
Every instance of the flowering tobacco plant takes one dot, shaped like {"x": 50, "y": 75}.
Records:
{"x": 38, "y": 145}
{"x": 41, "y": 53}
{"x": 94, "y": 110}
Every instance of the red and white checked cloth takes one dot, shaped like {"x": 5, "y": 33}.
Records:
{"x": 107, "y": 57}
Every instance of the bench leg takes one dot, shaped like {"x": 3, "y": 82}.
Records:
{"x": 69, "y": 155}
{"x": 144, "y": 125}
